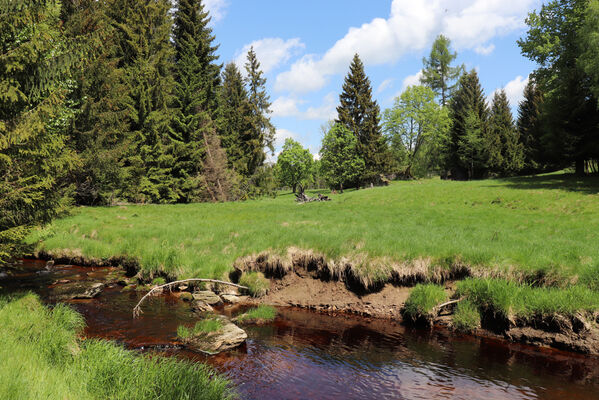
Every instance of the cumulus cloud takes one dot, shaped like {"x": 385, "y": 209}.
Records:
{"x": 514, "y": 91}
{"x": 217, "y": 8}
{"x": 484, "y": 50}
{"x": 386, "y": 84}
{"x": 271, "y": 52}
{"x": 412, "y": 80}
{"x": 289, "y": 106}
{"x": 412, "y": 25}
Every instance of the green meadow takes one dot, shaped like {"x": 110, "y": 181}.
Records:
{"x": 547, "y": 224}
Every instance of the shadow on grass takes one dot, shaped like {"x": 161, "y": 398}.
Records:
{"x": 568, "y": 182}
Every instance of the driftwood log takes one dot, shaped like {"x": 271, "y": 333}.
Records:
{"x": 301, "y": 197}
{"x": 159, "y": 289}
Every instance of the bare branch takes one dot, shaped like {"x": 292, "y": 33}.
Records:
{"x": 159, "y": 289}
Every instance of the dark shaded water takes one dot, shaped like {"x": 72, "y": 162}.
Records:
{"x": 306, "y": 355}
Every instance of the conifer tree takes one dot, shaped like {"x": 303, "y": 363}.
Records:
{"x": 197, "y": 78}
{"x": 360, "y": 114}
{"x": 34, "y": 60}
{"x": 504, "y": 150}
{"x": 467, "y": 99}
{"x": 263, "y": 130}
{"x": 529, "y": 127}
{"x": 235, "y": 122}
{"x": 146, "y": 55}
{"x": 437, "y": 72}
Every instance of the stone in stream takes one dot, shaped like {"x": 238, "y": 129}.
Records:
{"x": 207, "y": 297}
{"x": 76, "y": 290}
{"x": 227, "y": 337}
{"x": 229, "y": 298}
{"x": 201, "y": 307}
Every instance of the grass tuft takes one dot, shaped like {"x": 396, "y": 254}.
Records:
{"x": 422, "y": 300}
{"x": 256, "y": 282}
{"x": 200, "y": 328}
{"x": 466, "y": 317}
{"x": 261, "y": 313}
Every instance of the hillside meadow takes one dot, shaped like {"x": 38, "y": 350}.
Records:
{"x": 543, "y": 225}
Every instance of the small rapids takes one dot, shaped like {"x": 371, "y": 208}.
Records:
{"x": 307, "y": 355}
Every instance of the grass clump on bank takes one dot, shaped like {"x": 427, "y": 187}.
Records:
{"x": 526, "y": 226}
{"x": 422, "y": 300}
{"x": 261, "y": 313}
{"x": 466, "y": 317}
{"x": 520, "y": 300}
{"x": 256, "y": 282}
{"x": 42, "y": 358}
{"x": 200, "y": 328}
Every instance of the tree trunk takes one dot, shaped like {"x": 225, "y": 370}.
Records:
{"x": 579, "y": 165}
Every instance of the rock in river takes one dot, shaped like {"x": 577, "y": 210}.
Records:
{"x": 76, "y": 290}
{"x": 207, "y": 297}
{"x": 227, "y": 337}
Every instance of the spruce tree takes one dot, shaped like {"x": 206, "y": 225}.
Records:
{"x": 505, "y": 156}
{"x": 263, "y": 131}
{"x": 235, "y": 122}
{"x": 529, "y": 127}
{"x": 467, "y": 99}
{"x": 360, "y": 114}
{"x": 34, "y": 62}
{"x": 197, "y": 78}
{"x": 146, "y": 54}
{"x": 437, "y": 72}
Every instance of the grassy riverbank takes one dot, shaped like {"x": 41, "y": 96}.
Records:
{"x": 42, "y": 358}
{"x": 544, "y": 225}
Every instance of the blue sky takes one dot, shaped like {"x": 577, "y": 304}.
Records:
{"x": 305, "y": 48}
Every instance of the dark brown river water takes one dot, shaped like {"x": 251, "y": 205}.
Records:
{"x": 306, "y": 355}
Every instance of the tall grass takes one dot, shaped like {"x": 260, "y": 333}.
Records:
{"x": 422, "y": 301}
{"x": 201, "y": 327}
{"x": 262, "y": 313}
{"x": 42, "y": 358}
{"x": 545, "y": 224}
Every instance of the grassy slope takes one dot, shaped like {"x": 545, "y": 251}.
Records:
{"x": 540, "y": 223}
{"x": 42, "y": 358}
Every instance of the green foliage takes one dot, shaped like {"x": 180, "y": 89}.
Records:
{"x": 341, "y": 164}
{"x": 43, "y": 358}
{"x": 437, "y": 72}
{"x": 589, "y": 37}
{"x": 256, "y": 282}
{"x": 294, "y": 164}
{"x": 200, "y": 328}
{"x": 419, "y": 126}
{"x": 505, "y": 153}
{"x": 359, "y": 113}
{"x": 530, "y": 127}
{"x": 464, "y": 152}
{"x": 34, "y": 62}
{"x": 466, "y": 317}
{"x": 422, "y": 300}
{"x": 262, "y": 312}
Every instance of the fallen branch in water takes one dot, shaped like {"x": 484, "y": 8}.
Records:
{"x": 158, "y": 289}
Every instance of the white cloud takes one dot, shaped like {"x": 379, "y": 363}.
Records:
{"x": 484, "y": 50}
{"x": 412, "y": 25}
{"x": 271, "y": 52}
{"x": 386, "y": 84}
{"x": 280, "y": 136}
{"x": 289, "y": 107}
{"x": 514, "y": 91}
{"x": 217, "y": 8}
{"x": 412, "y": 80}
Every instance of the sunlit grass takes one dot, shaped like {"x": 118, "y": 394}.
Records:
{"x": 422, "y": 300}
{"x": 262, "y": 313}
{"x": 546, "y": 223}
{"x": 42, "y": 358}
{"x": 201, "y": 327}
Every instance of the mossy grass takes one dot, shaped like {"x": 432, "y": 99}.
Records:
{"x": 256, "y": 282}
{"x": 42, "y": 358}
{"x": 543, "y": 224}
{"x": 200, "y": 328}
{"x": 520, "y": 300}
{"x": 466, "y": 317}
{"x": 422, "y": 301}
{"x": 260, "y": 313}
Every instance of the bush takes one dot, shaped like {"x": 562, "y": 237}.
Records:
{"x": 422, "y": 301}
{"x": 466, "y": 317}
{"x": 256, "y": 282}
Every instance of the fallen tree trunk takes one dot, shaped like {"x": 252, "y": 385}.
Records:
{"x": 159, "y": 289}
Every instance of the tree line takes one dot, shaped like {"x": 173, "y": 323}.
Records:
{"x": 445, "y": 126}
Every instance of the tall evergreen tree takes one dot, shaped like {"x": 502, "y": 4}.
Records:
{"x": 437, "y": 72}
{"x": 146, "y": 55}
{"x": 34, "y": 61}
{"x": 197, "y": 78}
{"x": 263, "y": 130}
{"x": 505, "y": 156}
{"x": 570, "y": 113}
{"x": 530, "y": 129}
{"x": 360, "y": 114}
{"x": 235, "y": 122}
{"x": 467, "y": 99}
